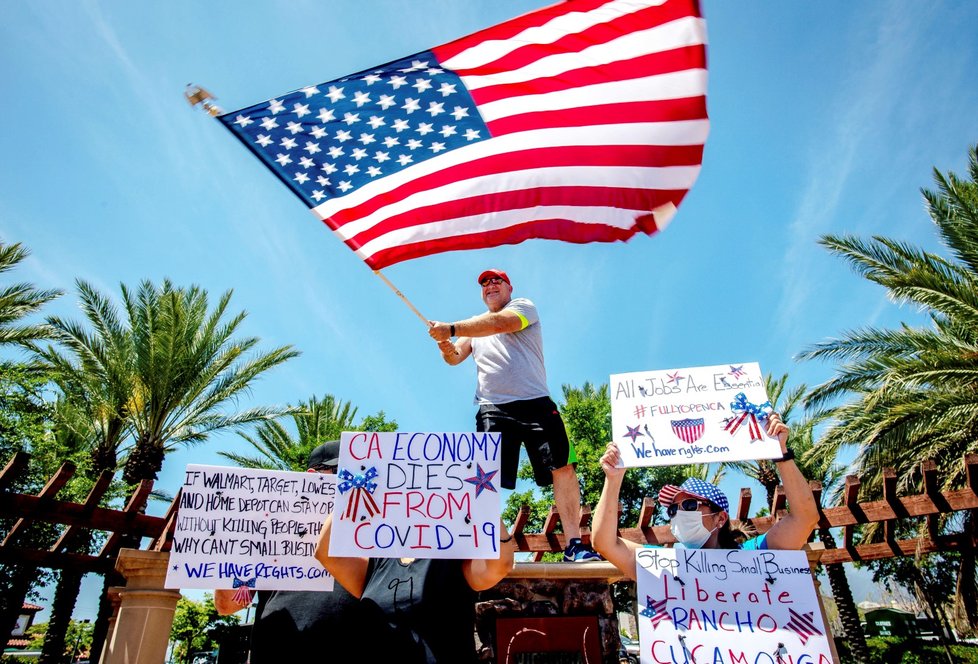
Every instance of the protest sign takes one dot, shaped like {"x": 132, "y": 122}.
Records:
{"x": 417, "y": 495}
{"x": 250, "y": 528}
{"x": 693, "y": 415}
{"x": 728, "y": 606}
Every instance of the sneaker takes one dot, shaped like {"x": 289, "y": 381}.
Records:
{"x": 579, "y": 552}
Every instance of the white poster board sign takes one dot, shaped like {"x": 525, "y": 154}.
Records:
{"x": 244, "y": 527}
{"x": 692, "y": 415}
{"x": 417, "y": 495}
{"x": 723, "y": 605}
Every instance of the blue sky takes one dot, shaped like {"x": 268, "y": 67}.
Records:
{"x": 826, "y": 118}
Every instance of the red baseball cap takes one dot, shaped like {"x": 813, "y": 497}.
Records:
{"x": 493, "y": 273}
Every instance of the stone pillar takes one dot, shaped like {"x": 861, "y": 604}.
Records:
{"x": 141, "y": 630}
{"x": 561, "y": 595}
{"x": 115, "y": 599}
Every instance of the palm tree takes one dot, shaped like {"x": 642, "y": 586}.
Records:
{"x": 162, "y": 373}
{"x": 315, "y": 420}
{"x": 20, "y": 382}
{"x": 20, "y": 300}
{"x": 187, "y": 369}
{"x": 914, "y": 390}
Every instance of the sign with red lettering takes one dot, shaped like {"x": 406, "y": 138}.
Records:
{"x": 245, "y": 528}
{"x": 417, "y": 495}
{"x": 726, "y": 606}
{"x": 692, "y": 415}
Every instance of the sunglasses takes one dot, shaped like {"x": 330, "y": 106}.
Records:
{"x": 687, "y": 505}
{"x": 495, "y": 281}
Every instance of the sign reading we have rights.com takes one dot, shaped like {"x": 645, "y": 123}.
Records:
{"x": 244, "y": 527}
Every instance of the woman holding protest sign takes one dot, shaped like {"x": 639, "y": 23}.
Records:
{"x": 423, "y": 609}
{"x": 699, "y": 512}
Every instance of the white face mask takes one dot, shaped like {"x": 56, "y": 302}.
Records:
{"x": 688, "y": 529}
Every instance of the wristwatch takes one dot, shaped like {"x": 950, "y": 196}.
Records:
{"x": 788, "y": 456}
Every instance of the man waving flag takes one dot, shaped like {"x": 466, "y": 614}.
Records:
{"x": 581, "y": 122}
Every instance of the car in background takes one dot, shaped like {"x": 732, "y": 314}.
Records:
{"x": 629, "y": 651}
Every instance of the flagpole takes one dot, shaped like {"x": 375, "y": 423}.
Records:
{"x": 401, "y": 295}
{"x": 198, "y": 96}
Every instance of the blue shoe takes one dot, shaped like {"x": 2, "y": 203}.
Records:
{"x": 579, "y": 552}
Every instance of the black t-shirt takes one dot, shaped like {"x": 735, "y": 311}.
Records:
{"x": 428, "y": 608}
{"x": 307, "y": 626}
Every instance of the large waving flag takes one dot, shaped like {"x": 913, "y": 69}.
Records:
{"x": 581, "y": 122}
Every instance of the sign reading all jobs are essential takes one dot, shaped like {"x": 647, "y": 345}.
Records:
{"x": 691, "y": 415}
{"x": 417, "y": 495}
{"x": 244, "y": 527}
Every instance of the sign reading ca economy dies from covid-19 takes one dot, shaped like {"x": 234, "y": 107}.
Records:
{"x": 728, "y": 606}
{"x": 417, "y": 495}
{"x": 691, "y": 415}
{"x": 244, "y": 527}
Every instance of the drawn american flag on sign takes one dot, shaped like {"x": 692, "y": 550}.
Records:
{"x": 655, "y": 610}
{"x": 803, "y": 624}
{"x": 689, "y": 430}
{"x": 581, "y": 122}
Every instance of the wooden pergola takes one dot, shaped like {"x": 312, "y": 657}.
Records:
{"x": 147, "y": 609}
{"x": 930, "y": 504}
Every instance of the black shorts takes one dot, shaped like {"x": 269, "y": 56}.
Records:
{"x": 537, "y": 423}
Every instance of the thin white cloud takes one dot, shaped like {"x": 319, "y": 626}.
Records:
{"x": 866, "y": 97}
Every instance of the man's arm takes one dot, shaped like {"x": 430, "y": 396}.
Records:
{"x": 483, "y": 325}
{"x": 455, "y": 353}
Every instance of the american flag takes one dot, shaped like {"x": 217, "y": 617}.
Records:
{"x": 688, "y": 430}
{"x": 581, "y": 122}
{"x": 655, "y": 610}
{"x": 803, "y": 624}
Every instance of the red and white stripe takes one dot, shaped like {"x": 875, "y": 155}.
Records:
{"x": 597, "y": 111}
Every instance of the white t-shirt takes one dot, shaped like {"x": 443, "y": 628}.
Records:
{"x": 510, "y": 365}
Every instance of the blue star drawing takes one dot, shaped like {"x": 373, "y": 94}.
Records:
{"x": 633, "y": 433}
{"x": 737, "y": 372}
{"x": 482, "y": 480}
{"x": 674, "y": 377}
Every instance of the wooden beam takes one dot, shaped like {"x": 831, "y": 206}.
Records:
{"x": 59, "y": 511}
{"x": 549, "y": 532}
{"x": 165, "y": 538}
{"x": 17, "y": 465}
{"x": 80, "y": 562}
{"x": 649, "y": 506}
{"x": 883, "y": 550}
{"x": 780, "y": 500}
{"x": 91, "y": 502}
{"x": 743, "y": 505}
{"x": 133, "y": 509}
{"x": 850, "y": 500}
{"x": 50, "y": 490}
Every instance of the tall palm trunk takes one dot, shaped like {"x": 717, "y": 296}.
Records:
{"x": 966, "y": 595}
{"x": 13, "y": 598}
{"x": 848, "y": 614}
{"x": 63, "y": 605}
{"x": 144, "y": 461}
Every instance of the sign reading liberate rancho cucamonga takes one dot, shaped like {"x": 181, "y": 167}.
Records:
{"x": 725, "y": 606}
{"x": 249, "y": 528}
{"x": 692, "y": 415}
{"x": 417, "y": 495}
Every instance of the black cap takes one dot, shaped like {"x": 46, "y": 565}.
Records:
{"x": 327, "y": 454}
